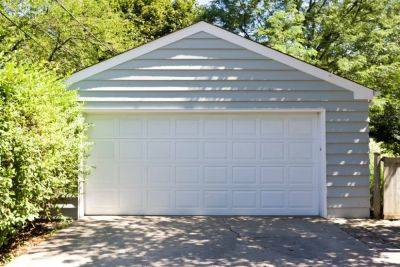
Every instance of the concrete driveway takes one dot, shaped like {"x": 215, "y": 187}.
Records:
{"x": 127, "y": 241}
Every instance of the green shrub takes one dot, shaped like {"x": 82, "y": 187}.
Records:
{"x": 42, "y": 142}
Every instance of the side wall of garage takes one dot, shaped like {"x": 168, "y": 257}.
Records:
{"x": 205, "y": 72}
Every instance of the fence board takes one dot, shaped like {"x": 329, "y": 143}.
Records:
{"x": 391, "y": 188}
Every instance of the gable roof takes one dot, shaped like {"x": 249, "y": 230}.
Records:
{"x": 360, "y": 92}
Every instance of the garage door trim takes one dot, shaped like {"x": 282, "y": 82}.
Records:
{"x": 322, "y": 195}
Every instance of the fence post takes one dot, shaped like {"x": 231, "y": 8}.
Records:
{"x": 376, "y": 205}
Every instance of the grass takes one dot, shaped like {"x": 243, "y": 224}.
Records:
{"x": 34, "y": 233}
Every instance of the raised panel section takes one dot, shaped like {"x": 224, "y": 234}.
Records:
{"x": 216, "y": 199}
{"x": 215, "y": 127}
{"x": 158, "y": 199}
{"x": 187, "y": 175}
{"x": 130, "y": 127}
{"x": 102, "y": 128}
{"x": 103, "y": 150}
{"x": 158, "y": 128}
{"x": 131, "y": 200}
{"x": 186, "y": 127}
{"x": 131, "y": 175}
{"x": 185, "y": 199}
{"x": 215, "y": 150}
{"x": 244, "y": 127}
{"x": 300, "y": 150}
{"x": 273, "y": 199}
{"x": 215, "y": 175}
{"x": 300, "y": 127}
{"x": 301, "y": 175}
{"x": 186, "y": 150}
{"x": 244, "y": 199}
{"x": 244, "y": 150}
{"x": 272, "y": 127}
{"x": 159, "y": 175}
{"x": 272, "y": 151}
{"x": 160, "y": 150}
{"x": 244, "y": 175}
{"x": 300, "y": 199}
{"x": 272, "y": 175}
{"x": 131, "y": 150}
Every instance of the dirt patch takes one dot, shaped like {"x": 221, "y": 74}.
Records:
{"x": 34, "y": 233}
{"x": 377, "y": 234}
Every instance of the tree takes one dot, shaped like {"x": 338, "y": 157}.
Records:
{"x": 359, "y": 40}
{"x": 69, "y": 35}
{"x": 385, "y": 125}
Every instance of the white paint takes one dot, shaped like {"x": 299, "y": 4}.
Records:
{"x": 360, "y": 92}
{"x": 213, "y": 163}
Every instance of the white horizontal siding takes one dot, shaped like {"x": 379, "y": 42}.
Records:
{"x": 201, "y": 75}
{"x": 202, "y": 64}
{"x": 183, "y": 85}
{"x": 204, "y": 72}
{"x": 201, "y": 54}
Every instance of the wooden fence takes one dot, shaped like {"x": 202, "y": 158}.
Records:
{"x": 386, "y": 191}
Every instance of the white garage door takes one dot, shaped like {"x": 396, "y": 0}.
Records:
{"x": 204, "y": 163}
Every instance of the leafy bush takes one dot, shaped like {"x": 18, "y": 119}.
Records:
{"x": 42, "y": 142}
{"x": 385, "y": 125}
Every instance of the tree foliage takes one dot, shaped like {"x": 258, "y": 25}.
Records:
{"x": 359, "y": 40}
{"x": 42, "y": 142}
{"x": 68, "y": 35}
{"x": 385, "y": 125}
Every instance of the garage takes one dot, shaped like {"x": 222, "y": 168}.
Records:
{"x": 205, "y": 122}
{"x": 205, "y": 164}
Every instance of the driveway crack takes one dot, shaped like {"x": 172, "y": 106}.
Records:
{"x": 229, "y": 227}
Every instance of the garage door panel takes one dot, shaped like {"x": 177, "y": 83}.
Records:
{"x": 187, "y": 175}
{"x": 159, "y": 150}
{"x": 131, "y": 200}
{"x": 187, "y": 150}
{"x": 244, "y": 127}
{"x": 244, "y": 150}
{"x": 215, "y": 175}
{"x": 204, "y": 164}
{"x": 188, "y": 199}
{"x": 244, "y": 175}
{"x": 216, "y": 199}
{"x": 131, "y": 175}
{"x": 104, "y": 175}
{"x": 159, "y": 175}
{"x": 273, "y": 199}
{"x": 158, "y": 127}
{"x": 131, "y": 150}
{"x": 247, "y": 199}
{"x": 215, "y": 150}
{"x": 298, "y": 151}
{"x": 131, "y": 127}
{"x": 187, "y": 128}
{"x": 273, "y": 175}
{"x": 105, "y": 127}
{"x": 300, "y": 199}
{"x": 301, "y": 127}
{"x": 301, "y": 175}
{"x": 272, "y": 151}
{"x": 215, "y": 127}
{"x": 103, "y": 149}
{"x": 158, "y": 199}
{"x": 272, "y": 127}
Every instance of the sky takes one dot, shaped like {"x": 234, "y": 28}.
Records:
{"x": 202, "y": 2}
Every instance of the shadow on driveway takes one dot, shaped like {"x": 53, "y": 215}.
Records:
{"x": 199, "y": 240}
